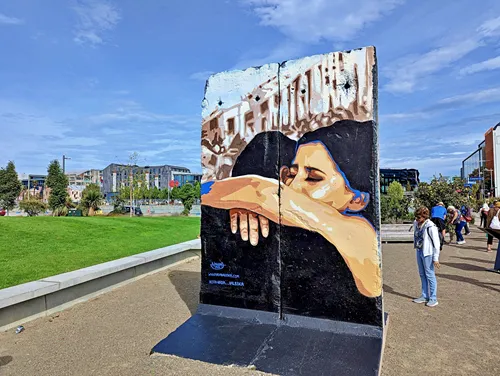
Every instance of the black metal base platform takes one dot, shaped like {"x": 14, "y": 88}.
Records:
{"x": 296, "y": 345}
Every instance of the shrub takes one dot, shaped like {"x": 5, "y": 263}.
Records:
{"x": 32, "y": 206}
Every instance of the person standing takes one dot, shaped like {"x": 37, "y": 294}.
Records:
{"x": 484, "y": 214}
{"x": 467, "y": 216}
{"x": 438, "y": 217}
{"x": 457, "y": 220}
{"x": 425, "y": 240}
{"x": 491, "y": 214}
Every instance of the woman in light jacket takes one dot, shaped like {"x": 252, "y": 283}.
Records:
{"x": 426, "y": 242}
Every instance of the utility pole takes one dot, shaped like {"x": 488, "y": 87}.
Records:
{"x": 64, "y": 163}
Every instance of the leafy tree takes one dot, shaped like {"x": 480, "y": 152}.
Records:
{"x": 32, "y": 206}
{"x": 394, "y": 206}
{"x": 91, "y": 198}
{"x": 187, "y": 194}
{"x": 449, "y": 191}
{"x": 175, "y": 193}
{"x": 10, "y": 186}
{"x": 58, "y": 184}
{"x": 197, "y": 187}
{"x": 154, "y": 193}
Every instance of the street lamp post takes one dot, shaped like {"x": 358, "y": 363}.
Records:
{"x": 64, "y": 159}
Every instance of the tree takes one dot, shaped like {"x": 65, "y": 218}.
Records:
{"x": 10, "y": 186}
{"x": 187, "y": 194}
{"x": 32, "y": 206}
{"x": 91, "y": 198}
{"x": 394, "y": 205}
{"x": 58, "y": 184}
{"x": 197, "y": 187}
{"x": 449, "y": 191}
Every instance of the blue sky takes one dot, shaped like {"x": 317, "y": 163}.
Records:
{"x": 97, "y": 79}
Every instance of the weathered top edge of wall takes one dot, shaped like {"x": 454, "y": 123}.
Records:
{"x": 26, "y": 291}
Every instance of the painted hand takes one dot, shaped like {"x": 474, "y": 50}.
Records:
{"x": 249, "y": 223}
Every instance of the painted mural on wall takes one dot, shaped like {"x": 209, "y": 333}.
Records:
{"x": 290, "y": 187}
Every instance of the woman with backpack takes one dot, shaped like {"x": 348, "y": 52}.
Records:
{"x": 426, "y": 242}
{"x": 457, "y": 220}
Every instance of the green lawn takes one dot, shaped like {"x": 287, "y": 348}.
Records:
{"x": 32, "y": 248}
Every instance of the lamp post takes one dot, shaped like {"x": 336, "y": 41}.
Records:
{"x": 64, "y": 159}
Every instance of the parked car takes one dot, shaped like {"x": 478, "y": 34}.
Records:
{"x": 135, "y": 209}
{"x": 2, "y": 212}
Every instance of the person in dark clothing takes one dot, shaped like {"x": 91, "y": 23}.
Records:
{"x": 467, "y": 216}
{"x": 438, "y": 217}
{"x": 491, "y": 214}
{"x": 484, "y": 214}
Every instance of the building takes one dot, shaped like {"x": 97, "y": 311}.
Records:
{"x": 116, "y": 176}
{"x": 408, "y": 178}
{"x": 33, "y": 185}
{"x": 186, "y": 177}
{"x": 483, "y": 165}
{"x": 84, "y": 177}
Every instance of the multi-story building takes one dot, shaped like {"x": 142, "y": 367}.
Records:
{"x": 483, "y": 165}
{"x": 186, "y": 177}
{"x": 408, "y": 178}
{"x": 116, "y": 176}
{"x": 84, "y": 177}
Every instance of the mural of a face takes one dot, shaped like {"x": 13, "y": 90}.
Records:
{"x": 315, "y": 174}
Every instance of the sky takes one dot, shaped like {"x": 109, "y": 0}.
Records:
{"x": 96, "y": 80}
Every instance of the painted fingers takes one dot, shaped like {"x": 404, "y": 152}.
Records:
{"x": 249, "y": 224}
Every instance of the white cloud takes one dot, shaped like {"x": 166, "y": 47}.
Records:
{"x": 482, "y": 96}
{"x": 487, "y": 65}
{"x": 406, "y": 74}
{"x": 131, "y": 116}
{"x": 95, "y": 18}
{"x": 201, "y": 76}
{"x": 315, "y": 20}
{"x": 7, "y": 20}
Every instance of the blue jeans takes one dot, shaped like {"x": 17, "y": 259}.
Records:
{"x": 458, "y": 230}
{"x": 427, "y": 276}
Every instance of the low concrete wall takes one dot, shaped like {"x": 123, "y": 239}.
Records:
{"x": 26, "y": 302}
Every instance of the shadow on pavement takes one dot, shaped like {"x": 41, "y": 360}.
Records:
{"x": 472, "y": 248}
{"x": 187, "y": 285}
{"x": 4, "y": 360}
{"x": 388, "y": 289}
{"x": 464, "y": 266}
{"x": 472, "y": 281}
{"x": 473, "y": 259}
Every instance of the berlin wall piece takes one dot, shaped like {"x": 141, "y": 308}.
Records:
{"x": 291, "y": 266}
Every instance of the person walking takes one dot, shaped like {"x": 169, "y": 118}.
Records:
{"x": 467, "y": 215}
{"x": 457, "y": 220}
{"x": 492, "y": 213}
{"x": 438, "y": 217}
{"x": 425, "y": 240}
{"x": 484, "y": 214}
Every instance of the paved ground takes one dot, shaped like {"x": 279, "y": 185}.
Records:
{"x": 113, "y": 334}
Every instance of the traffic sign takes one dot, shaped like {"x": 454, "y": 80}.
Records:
{"x": 475, "y": 179}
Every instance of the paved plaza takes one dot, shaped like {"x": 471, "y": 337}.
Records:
{"x": 114, "y": 333}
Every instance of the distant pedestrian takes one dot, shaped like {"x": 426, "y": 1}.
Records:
{"x": 457, "y": 220}
{"x": 426, "y": 243}
{"x": 484, "y": 214}
{"x": 438, "y": 217}
{"x": 467, "y": 215}
{"x": 492, "y": 213}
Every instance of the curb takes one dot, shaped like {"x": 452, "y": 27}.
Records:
{"x": 29, "y": 301}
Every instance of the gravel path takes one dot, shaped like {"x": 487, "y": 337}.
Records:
{"x": 113, "y": 334}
